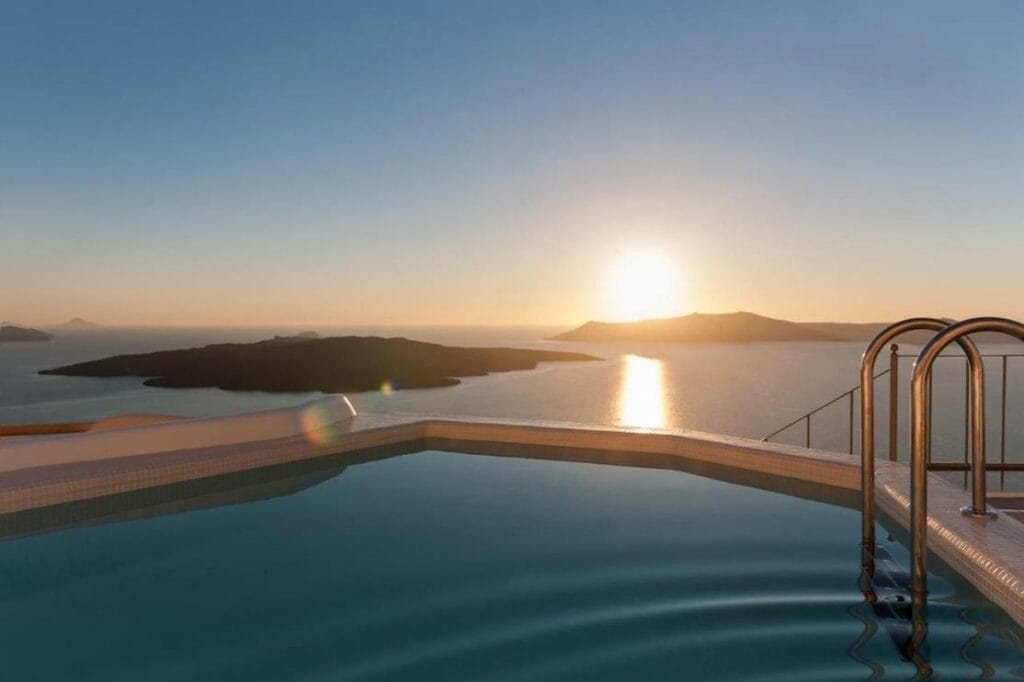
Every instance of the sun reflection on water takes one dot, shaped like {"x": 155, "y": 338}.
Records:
{"x": 642, "y": 392}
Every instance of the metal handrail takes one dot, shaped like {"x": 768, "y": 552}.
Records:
{"x": 867, "y": 417}
{"x": 920, "y": 382}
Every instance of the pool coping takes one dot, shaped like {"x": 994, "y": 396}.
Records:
{"x": 987, "y": 553}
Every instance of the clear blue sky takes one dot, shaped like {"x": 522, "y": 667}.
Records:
{"x": 488, "y": 162}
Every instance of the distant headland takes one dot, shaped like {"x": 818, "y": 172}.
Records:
{"x": 330, "y": 365}
{"x": 728, "y": 327}
{"x": 11, "y": 332}
{"x": 78, "y": 324}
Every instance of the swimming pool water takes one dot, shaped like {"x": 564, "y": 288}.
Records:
{"x": 442, "y": 566}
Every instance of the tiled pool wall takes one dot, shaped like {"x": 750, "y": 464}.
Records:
{"x": 990, "y": 554}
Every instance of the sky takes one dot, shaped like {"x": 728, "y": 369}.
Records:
{"x": 494, "y": 162}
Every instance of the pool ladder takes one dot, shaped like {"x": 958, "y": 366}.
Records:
{"x": 947, "y": 333}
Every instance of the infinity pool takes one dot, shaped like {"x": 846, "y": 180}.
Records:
{"x": 442, "y": 566}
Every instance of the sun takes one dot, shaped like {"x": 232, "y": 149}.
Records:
{"x": 643, "y": 285}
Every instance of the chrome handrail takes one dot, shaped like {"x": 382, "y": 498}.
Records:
{"x": 919, "y": 384}
{"x": 919, "y": 429}
{"x": 867, "y": 415}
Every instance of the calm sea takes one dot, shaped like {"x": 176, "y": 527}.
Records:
{"x": 740, "y": 389}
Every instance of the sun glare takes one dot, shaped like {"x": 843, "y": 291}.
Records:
{"x": 643, "y": 285}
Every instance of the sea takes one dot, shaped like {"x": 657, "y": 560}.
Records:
{"x": 741, "y": 389}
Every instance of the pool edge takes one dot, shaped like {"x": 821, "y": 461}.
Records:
{"x": 988, "y": 554}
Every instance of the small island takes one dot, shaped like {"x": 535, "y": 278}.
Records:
{"x": 10, "y": 332}
{"x": 346, "y": 364}
{"x": 77, "y": 324}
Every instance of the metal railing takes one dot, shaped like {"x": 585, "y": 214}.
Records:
{"x": 975, "y": 396}
{"x": 920, "y": 385}
{"x": 1002, "y": 466}
{"x": 806, "y": 418}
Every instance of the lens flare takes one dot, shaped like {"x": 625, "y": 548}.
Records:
{"x": 324, "y": 421}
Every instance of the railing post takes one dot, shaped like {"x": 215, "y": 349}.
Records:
{"x": 1002, "y": 430}
{"x": 928, "y": 418}
{"x": 894, "y": 401}
{"x": 979, "y": 497}
{"x": 807, "y": 440}
{"x": 967, "y": 412}
{"x": 851, "y": 422}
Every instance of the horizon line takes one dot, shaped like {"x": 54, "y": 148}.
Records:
{"x": 312, "y": 325}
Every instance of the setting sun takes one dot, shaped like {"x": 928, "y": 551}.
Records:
{"x": 643, "y": 285}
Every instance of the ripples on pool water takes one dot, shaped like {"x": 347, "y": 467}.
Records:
{"x": 448, "y": 566}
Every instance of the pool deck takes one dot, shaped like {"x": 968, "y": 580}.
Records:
{"x": 988, "y": 553}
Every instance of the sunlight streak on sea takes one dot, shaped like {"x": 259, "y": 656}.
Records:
{"x": 642, "y": 392}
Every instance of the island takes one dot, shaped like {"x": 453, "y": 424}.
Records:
{"x": 698, "y": 327}
{"x": 742, "y": 327}
{"x": 10, "y": 332}
{"x": 345, "y": 364}
{"x": 77, "y": 324}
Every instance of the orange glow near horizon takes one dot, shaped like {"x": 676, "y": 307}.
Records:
{"x": 642, "y": 393}
{"x": 643, "y": 285}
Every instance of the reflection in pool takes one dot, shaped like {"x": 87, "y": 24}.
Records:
{"x": 447, "y": 566}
